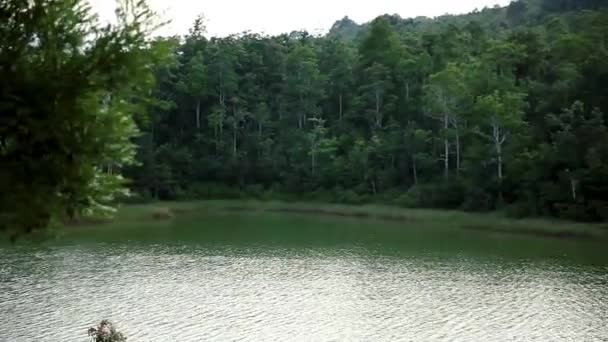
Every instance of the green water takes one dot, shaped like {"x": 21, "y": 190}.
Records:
{"x": 279, "y": 277}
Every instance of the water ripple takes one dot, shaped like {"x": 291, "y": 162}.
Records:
{"x": 162, "y": 293}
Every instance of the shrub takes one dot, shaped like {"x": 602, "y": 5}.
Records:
{"x": 254, "y": 191}
{"x": 162, "y": 213}
{"x": 350, "y": 197}
{"x": 445, "y": 196}
{"x": 136, "y": 197}
{"x": 211, "y": 191}
{"x": 477, "y": 199}
{"x": 105, "y": 332}
{"x": 573, "y": 211}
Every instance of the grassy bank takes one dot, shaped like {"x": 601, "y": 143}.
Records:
{"x": 407, "y": 217}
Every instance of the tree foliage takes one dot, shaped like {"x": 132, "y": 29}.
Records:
{"x": 70, "y": 91}
{"x": 499, "y": 107}
{"x": 453, "y": 112}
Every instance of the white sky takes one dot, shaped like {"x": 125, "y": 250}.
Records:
{"x": 225, "y": 17}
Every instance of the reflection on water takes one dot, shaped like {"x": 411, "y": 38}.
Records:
{"x": 280, "y": 278}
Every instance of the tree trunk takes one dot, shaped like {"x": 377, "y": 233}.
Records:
{"x": 234, "y": 126}
{"x": 341, "y": 108}
{"x": 573, "y": 186}
{"x": 260, "y": 129}
{"x": 313, "y": 162}
{"x": 234, "y": 144}
{"x": 500, "y": 165}
{"x": 415, "y": 171}
{"x": 407, "y": 91}
{"x": 198, "y": 114}
{"x": 499, "y": 139}
{"x": 301, "y": 113}
{"x": 457, "y": 151}
{"x": 222, "y": 101}
{"x": 378, "y": 118}
{"x": 446, "y": 143}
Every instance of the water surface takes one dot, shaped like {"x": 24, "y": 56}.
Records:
{"x": 282, "y": 277}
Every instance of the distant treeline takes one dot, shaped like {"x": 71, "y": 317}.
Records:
{"x": 503, "y": 108}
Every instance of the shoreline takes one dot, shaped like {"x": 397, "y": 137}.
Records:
{"x": 488, "y": 222}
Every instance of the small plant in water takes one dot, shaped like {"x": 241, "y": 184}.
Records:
{"x": 105, "y": 332}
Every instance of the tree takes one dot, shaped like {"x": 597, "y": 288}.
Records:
{"x": 304, "y": 82}
{"x": 502, "y": 113}
{"x": 473, "y": 91}
{"x": 579, "y": 154}
{"x": 416, "y": 141}
{"x": 70, "y": 90}
{"x": 446, "y": 95}
{"x": 516, "y": 12}
{"x": 196, "y": 83}
{"x": 377, "y": 91}
{"x": 338, "y": 63}
{"x": 319, "y": 143}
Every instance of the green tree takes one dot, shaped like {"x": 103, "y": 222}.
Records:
{"x": 304, "y": 82}
{"x": 70, "y": 90}
{"x": 320, "y": 144}
{"x": 502, "y": 114}
{"x": 447, "y": 96}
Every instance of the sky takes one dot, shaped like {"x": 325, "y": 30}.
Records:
{"x": 225, "y": 17}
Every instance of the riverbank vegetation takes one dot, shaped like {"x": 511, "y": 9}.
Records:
{"x": 406, "y": 218}
{"x": 72, "y": 90}
{"x": 499, "y": 109}
{"x": 503, "y": 108}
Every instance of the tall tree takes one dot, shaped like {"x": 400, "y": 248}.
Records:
{"x": 70, "y": 90}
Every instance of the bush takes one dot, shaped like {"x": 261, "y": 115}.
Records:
{"x": 254, "y": 191}
{"x": 404, "y": 200}
{"x": 162, "y": 213}
{"x": 137, "y": 197}
{"x": 519, "y": 210}
{"x": 105, "y": 332}
{"x": 350, "y": 197}
{"x": 478, "y": 199}
{"x": 445, "y": 196}
{"x": 600, "y": 208}
{"x": 573, "y": 211}
{"x": 211, "y": 191}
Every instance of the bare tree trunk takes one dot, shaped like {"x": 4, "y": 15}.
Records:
{"x": 457, "y": 151}
{"x": 415, "y": 171}
{"x": 341, "y": 108}
{"x": 260, "y": 129}
{"x": 573, "y": 186}
{"x": 313, "y": 162}
{"x": 378, "y": 117}
{"x": 446, "y": 143}
{"x": 198, "y": 114}
{"x": 234, "y": 133}
{"x": 498, "y": 141}
{"x": 500, "y": 167}
{"x": 234, "y": 142}
{"x": 217, "y": 142}
{"x": 301, "y": 114}
{"x": 222, "y": 101}
{"x": 407, "y": 91}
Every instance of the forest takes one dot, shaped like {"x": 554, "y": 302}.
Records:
{"x": 502, "y": 108}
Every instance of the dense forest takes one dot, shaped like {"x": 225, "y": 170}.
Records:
{"x": 499, "y": 109}
{"x": 503, "y": 108}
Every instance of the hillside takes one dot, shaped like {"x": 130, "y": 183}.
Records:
{"x": 518, "y": 13}
{"x": 504, "y": 108}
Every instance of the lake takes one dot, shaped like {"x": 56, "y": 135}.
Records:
{"x": 287, "y": 277}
